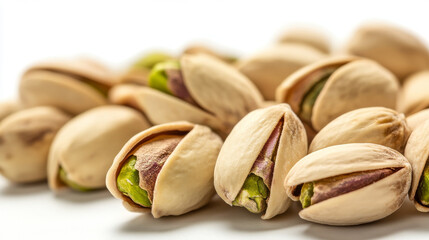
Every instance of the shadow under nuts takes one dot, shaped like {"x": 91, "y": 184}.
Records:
{"x": 256, "y": 157}
{"x": 166, "y": 170}
{"x": 85, "y": 147}
{"x": 349, "y": 184}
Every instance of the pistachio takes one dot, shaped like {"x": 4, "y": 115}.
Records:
{"x": 394, "y": 48}
{"x": 377, "y": 125}
{"x": 308, "y": 36}
{"x": 7, "y": 108}
{"x": 256, "y": 157}
{"x": 70, "y": 85}
{"x": 25, "y": 139}
{"x": 322, "y": 91}
{"x": 417, "y": 152}
{"x": 413, "y": 97}
{"x": 166, "y": 170}
{"x": 417, "y": 118}
{"x": 267, "y": 69}
{"x": 84, "y": 148}
{"x": 349, "y": 184}
{"x": 201, "y": 49}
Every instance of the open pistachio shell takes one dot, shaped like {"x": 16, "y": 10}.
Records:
{"x": 245, "y": 143}
{"x": 371, "y": 202}
{"x": 25, "y": 139}
{"x": 396, "y": 49}
{"x": 185, "y": 181}
{"x": 308, "y": 36}
{"x": 70, "y": 85}
{"x": 7, "y": 108}
{"x": 414, "y": 97}
{"x": 417, "y": 118}
{"x": 86, "y": 146}
{"x": 417, "y": 152}
{"x": 267, "y": 69}
{"x": 349, "y": 83}
{"x": 377, "y": 125}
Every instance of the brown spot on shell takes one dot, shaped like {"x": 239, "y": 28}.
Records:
{"x": 30, "y": 138}
{"x": 1, "y": 140}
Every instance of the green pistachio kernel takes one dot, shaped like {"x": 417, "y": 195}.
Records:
{"x": 423, "y": 189}
{"x": 128, "y": 183}
{"x": 306, "y": 194}
{"x": 310, "y": 98}
{"x": 253, "y": 195}
{"x": 158, "y": 78}
{"x": 71, "y": 184}
{"x": 150, "y": 60}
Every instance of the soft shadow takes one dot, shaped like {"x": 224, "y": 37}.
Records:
{"x": 14, "y": 190}
{"x": 82, "y": 197}
{"x": 405, "y": 219}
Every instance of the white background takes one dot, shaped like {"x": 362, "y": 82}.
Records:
{"x": 116, "y": 32}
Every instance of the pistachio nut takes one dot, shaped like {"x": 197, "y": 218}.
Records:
{"x": 7, "y": 108}
{"x": 125, "y": 94}
{"x": 349, "y": 184}
{"x": 267, "y": 69}
{"x": 166, "y": 170}
{"x": 256, "y": 157}
{"x": 417, "y": 152}
{"x": 396, "y": 49}
{"x": 308, "y": 36}
{"x": 377, "y": 125}
{"x": 322, "y": 91}
{"x": 25, "y": 139}
{"x": 417, "y": 118}
{"x": 85, "y": 147}
{"x": 200, "y": 89}
{"x": 70, "y": 85}
{"x": 201, "y": 49}
{"x": 414, "y": 97}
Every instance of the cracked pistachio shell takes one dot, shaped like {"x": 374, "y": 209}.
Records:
{"x": 377, "y": 125}
{"x": 86, "y": 146}
{"x": 417, "y": 119}
{"x": 414, "y": 97}
{"x": 66, "y": 84}
{"x": 367, "y": 204}
{"x": 243, "y": 146}
{"x": 417, "y": 152}
{"x": 25, "y": 139}
{"x": 185, "y": 182}
{"x": 356, "y": 83}
{"x": 267, "y": 69}
{"x": 396, "y": 49}
{"x": 223, "y": 94}
{"x": 308, "y": 36}
{"x": 7, "y": 108}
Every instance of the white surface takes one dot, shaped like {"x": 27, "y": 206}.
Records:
{"x": 118, "y": 31}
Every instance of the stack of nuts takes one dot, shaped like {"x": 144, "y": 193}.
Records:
{"x": 294, "y": 122}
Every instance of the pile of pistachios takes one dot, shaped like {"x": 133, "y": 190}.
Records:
{"x": 345, "y": 133}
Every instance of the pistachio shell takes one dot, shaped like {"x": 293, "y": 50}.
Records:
{"x": 185, "y": 182}
{"x": 25, "y": 139}
{"x": 125, "y": 94}
{"x": 86, "y": 146}
{"x": 308, "y": 36}
{"x": 396, "y": 49}
{"x": 356, "y": 83}
{"x": 366, "y": 125}
{"x": 417, "y": 119}
{"x": 243, "y": 146}
{"x": 267, "y": 69}
{"x": 135, "y": 76}
{"x": 59, "y": 84}
{"x": 7, "y": 108}
{"x": 414, "y": 95}
{"x": 417, "y": 152}
{"x": 367, "y": 204}
{"x": 200, "y": 49}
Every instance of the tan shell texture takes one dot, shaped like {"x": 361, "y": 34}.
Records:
{"x": 377, "y": 125}
{"x": 185, "y": 182}
{"x": 25, "y": 140}
{"x": 308, "y": 36}
{"x": 267, "y": 69}
{"x": 60, "y": 84}
{"x": 414, "y": 97}
{"x": 7, "y": 108}
{"x": 243, "y": 145}
{"x": 417, "y": 118}
{"x": 367, "y": 204}
{"x": 86, "y": 146}
{"x": 396, "y": 49}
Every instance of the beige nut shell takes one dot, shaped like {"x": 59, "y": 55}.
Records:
{"x": 57, "y": 83}
{"x": 308, "y": 36}
{"x": 414, "y": 97}
{"x": 268, "y": 68}
{"x": 86, "y": 146}
{"x": 357, "y": 83}
{"x": 417, "y": 118}
{"x": 185, "y": 182}
{"x": 377, "y": 125}
{"x": 370, "y": 203}
{"x": 394, "y": 48}
{"x": 243, "y": 146}
{"x": 25, "y": 140}
{"x": 7, "y": 108}
{"x": 417, "y": 152}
